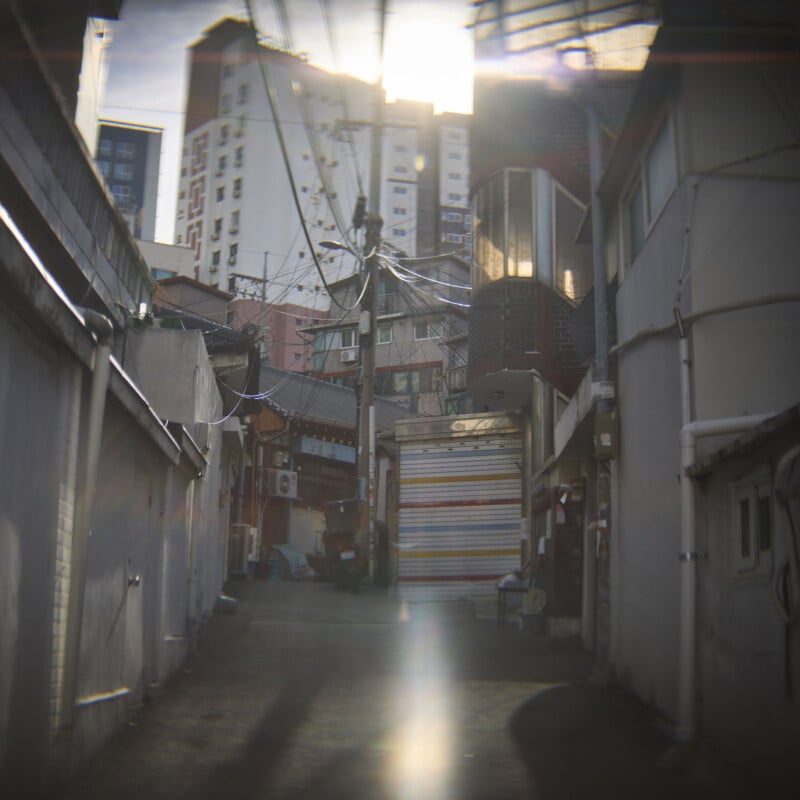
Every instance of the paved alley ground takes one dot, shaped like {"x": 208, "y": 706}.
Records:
{"x": 310, "y": 692}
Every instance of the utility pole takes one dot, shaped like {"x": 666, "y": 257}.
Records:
{"x": 368, "y": 328}
{"x": 367, "y": 337}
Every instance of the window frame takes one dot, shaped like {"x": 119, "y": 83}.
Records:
{"x": 639, "y": 183}
{"x": 753, "y": 489}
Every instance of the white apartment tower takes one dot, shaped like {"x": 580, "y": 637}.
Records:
{"x": 236, "y": 209}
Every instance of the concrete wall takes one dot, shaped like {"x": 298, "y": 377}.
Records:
{"x": 156, "y": 553}
{"x": 743, "y": 645}
{"x": 37, "y": 399}
{"x": 645, "y": 538}
{"x": 741, "y": 248}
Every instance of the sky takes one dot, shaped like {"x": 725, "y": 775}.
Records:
{"x": 427, "y": 57}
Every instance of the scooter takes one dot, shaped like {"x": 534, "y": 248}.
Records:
{"x": 342, "y": 555}
{"x": 343, "y": 560}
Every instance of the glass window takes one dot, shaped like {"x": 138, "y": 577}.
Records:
{"x": 104, "y": 148}
{"x": 105, "y": 168}
{"x": 424, "y": 329}
{"x": 348, "y": 338}
{"x": 490, "y": 231}
{"x": 220, "y": 193}
{"x": 244, "y": 92}
{"x": 223, "y": 134}
{"x": 239, "y": 156}
{"x": 234, "y": 249}
{"x": 384, "y": 334}
{"x": 636, "y": 221}
{"x": 221, "y": 164}
{"x": 234, "y": 221}
{"x": 215, "y": 257}
{"x": 121, "y": 192}
{"x": 225, "y": 104}
{"x": 574, "y": 276}
{"x": 237, "y": 187}
{"x": 218, "y": 226}
{"x": 660, "y": 171}
{"x": 125, "y": 149}
{"x": 520, "y": 225}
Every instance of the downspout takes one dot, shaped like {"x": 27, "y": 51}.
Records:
{"x": 103, "y": 331}
{"x": 688, "y": 556}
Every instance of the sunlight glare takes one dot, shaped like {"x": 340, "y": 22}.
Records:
{"x": 422, "y": 743}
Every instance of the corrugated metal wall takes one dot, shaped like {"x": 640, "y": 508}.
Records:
{"x": 460, "y": 503}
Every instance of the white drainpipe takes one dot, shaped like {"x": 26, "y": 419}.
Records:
{"x": 690, "y": 433}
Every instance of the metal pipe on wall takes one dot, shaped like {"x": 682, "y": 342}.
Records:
{"x": 686, "y": 723}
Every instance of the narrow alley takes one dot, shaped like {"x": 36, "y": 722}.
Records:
{"x": 306, "y": 691}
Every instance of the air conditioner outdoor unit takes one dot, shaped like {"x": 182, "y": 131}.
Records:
{"x": 349, "y": 356}
{"x": 215, "y": 236}
{"x": 232, "y": 260}
{"x": 282, "y": 483}
{"x": 234, "y": 229}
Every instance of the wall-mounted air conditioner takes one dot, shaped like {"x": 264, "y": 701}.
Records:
{"x": 282, "y": 483}
{"x": 349, "y": 356}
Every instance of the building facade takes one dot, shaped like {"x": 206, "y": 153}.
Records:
{"x": 420, "y": 350}
{"x": 129, "y": 158}
{"x": 235, "y": 206}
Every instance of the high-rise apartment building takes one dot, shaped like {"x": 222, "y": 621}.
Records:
{"x": 129, "y": 156}
{"x": 236, "y": 208}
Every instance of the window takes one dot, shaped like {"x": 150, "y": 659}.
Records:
{"x": 752, "y": 527}
{"x": 384, "y": 334}
{"x": 400, "y": 169}
{"x": 400, "y": 148}
{"x": 348, "y": 338}
{"x": 217, "y": 227}
{"x": 225, "y": 105}
{"x": 454, "y": 197}
{"x": 652, "y": 186}
{"x": 454, "y": 176}
{"x": 239, "y": 156}
{"x": 425, "y": 329}
{"x": 400, "y": 211}
{"x": 454, "y": 156}
{"x": 237, "y": 187}
{"x": 123, "y": 172}
{"x": 105, "y": 168}
{"x": 125, "y": 150}
{"x": 227, "y": 71}
{"x": 233, "y": 251}
{"x": 398, "y": 231}
{"x": 234, "y": 221}
{"x": 104, "y": 148}
{"x": 244, "y": 92}
{"x": 400, "y": 190}
{"x": 223, "y": 134}
{"x": 215, "y": 258}
{"x": 122, "y": 193}
{"x": 220, "y": 193}
{"x": 221, "y": 161}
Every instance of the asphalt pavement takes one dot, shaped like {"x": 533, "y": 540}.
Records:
{"x": 306, "y": 691}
